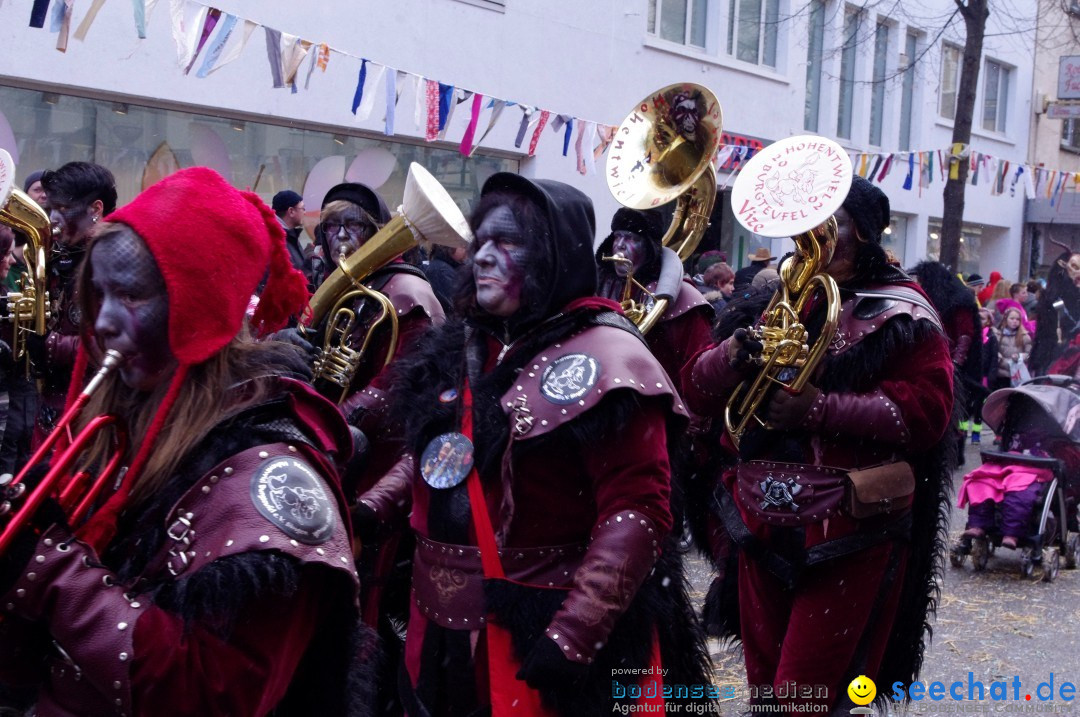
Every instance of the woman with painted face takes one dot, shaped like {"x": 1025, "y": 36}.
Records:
{"x": 216, "y": 577}
{"x": 544, "y": 564}
{"x": 81, "y": 195}
{"x": 683, "y": 329}
{"x": 837, "y": 500}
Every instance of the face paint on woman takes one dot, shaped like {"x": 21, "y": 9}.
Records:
{"x": 73, "y": 218}
{"x": 499, "y": 264}
{"x": 630, "y": 246}
{"x": 133, "y": 310}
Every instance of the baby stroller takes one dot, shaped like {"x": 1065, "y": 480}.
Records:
{"x": 1024, "y": 496}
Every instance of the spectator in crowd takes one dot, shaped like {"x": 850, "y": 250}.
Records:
{"x": 1033, "y": 289}
{"x": 760, "y": 259}
{"x": 33, "y": 188}
{"x": 975, "y": 282}
{"x": 1014, "y": 346}
{"x": 443, "y": 270}
{"x": 987, "y": 291}
{"x": 767, "y": 278}
{"x": 1001, "y": 291}
{"x": 289, "y": 208}
{"x": 719, "y": 281}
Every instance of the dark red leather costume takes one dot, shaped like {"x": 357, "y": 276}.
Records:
{"x": 819, "y": 593}
{"x": 571, "y": 416}
{"x": 190, "y": 609}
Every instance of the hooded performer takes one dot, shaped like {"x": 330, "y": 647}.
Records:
{"x": 544, "y": 564}
{"x": 217, "y": 578}
{"x": 683, "y": 329}
{"x": 835, "y": 583}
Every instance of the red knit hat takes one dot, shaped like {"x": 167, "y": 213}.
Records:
{"x": 212, "y": 244}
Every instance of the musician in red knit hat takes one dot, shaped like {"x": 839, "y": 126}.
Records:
{"x": 217, "y": 578}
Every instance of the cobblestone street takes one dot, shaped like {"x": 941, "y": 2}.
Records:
{"x": 994, "y": 624}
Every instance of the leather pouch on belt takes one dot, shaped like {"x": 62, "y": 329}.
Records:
{"x": 790, "y": 494}
{"x": 880, "y": 489}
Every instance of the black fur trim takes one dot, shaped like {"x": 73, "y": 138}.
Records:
{"x": 216, "y": 594}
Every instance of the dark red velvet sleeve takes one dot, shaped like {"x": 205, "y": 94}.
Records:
{"x": 708, "y": 380}
{"x": 631, "y": 470}
{"x": 193, "y": 671}
{"x": 921, "y": 385}
{"x": 911, "y": 406}
{"x": 674, "y": 342}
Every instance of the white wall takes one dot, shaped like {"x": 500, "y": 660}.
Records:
{"x": 592, "y": 59}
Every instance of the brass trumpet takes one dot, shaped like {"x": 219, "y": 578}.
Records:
{"x": 427, "y": 213}
{"x": 663, "y": 152}
{"x": 28, "y": 309}
{"x": 78, "y": 494}
{"x": 790, "y": 188}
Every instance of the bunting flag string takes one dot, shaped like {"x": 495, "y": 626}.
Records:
{"x": 200, "y": 30}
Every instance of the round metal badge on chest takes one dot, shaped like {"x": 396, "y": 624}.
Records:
{"x": 446, "y": 460}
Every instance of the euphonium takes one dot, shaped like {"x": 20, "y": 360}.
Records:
{"x": 791, "y": 188}
{"x": 427, "y": 213}
{"x": 80, "y": 492}
{"x": 662, "y": 152}
{"x": 28, "y": 309}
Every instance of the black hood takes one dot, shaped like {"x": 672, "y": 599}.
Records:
{"x": 567, "y": 249}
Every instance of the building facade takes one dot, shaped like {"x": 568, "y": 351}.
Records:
{"x": 883, "y": 85}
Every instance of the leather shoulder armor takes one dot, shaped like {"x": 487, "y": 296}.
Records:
{"x": 265, "y": 498}
{"x": 869, "y": 309}
{"x": 570, "y": 377}
{"x": 408, "y": 292}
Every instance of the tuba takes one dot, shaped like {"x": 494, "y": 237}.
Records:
{"x": 427, "y": 213}
{"x": 791, "y": 188}
{"x": 28, "y": 309}
{"x": 663, "y": 152}
{"x": 77, "y": 494}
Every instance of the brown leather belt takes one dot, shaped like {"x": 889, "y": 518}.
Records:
{"x": 448, "y": 580}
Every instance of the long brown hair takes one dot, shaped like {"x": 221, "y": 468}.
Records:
{"x": 234, "y": 378}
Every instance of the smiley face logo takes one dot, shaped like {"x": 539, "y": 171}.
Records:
{"x": 862, "y": 690}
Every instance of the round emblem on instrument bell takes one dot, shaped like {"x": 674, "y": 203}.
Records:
{"x": 569, "y": 378}
{"x": 447, "y": 460}
{"x": 288, "y": 493}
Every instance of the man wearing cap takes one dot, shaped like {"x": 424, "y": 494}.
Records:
{"x": 32, "y": 187}
{"x": 759, "y": 259}
{"x": 289, "y": 208}
{"x": 683, "y": 328}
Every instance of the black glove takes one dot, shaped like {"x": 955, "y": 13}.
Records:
{"x": 746, "y": 349}
{"x": 545, "y": 668}
{"x": 36, "y": 348}
{"x": 365, "y": 522}
{"x": 14, "y": 561}
{"x": 294, "y": 337}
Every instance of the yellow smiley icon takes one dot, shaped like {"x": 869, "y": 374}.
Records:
{"x": 862, "y": 690}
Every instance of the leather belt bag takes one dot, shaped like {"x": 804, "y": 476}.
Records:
{"x": 880, "y": 489}
{"x": 448, "y": 580}
{"x": 791, "y": 494}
